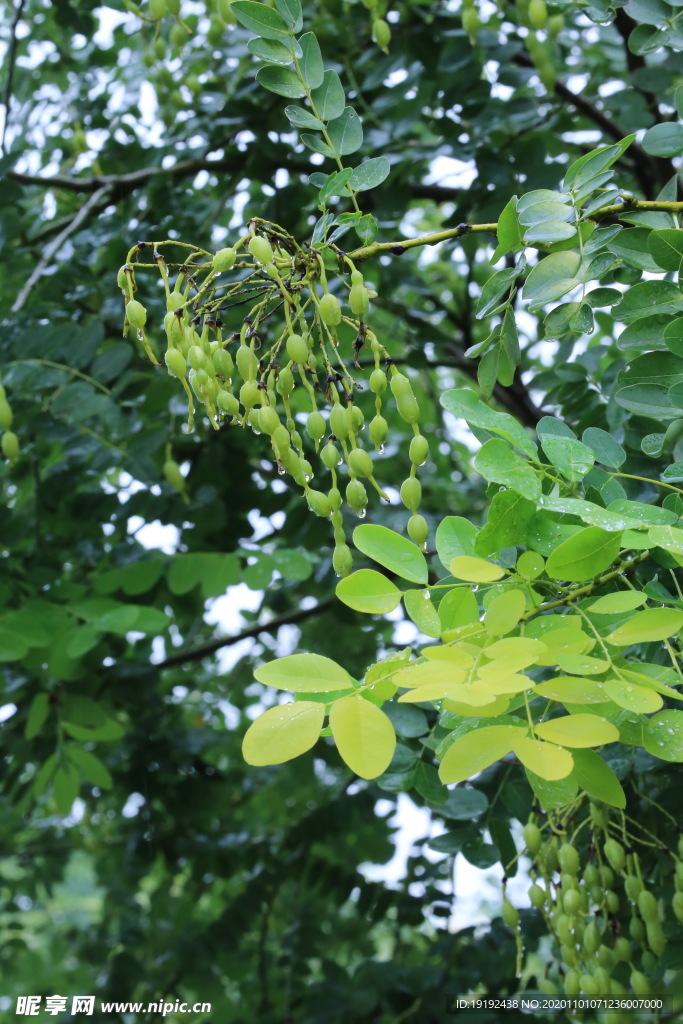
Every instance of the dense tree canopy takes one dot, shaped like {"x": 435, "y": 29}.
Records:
{"x": 412, "y": 264}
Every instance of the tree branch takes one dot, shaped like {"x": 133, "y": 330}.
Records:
{"x": 197, "y": 653}
{"x": 11, "y": 59}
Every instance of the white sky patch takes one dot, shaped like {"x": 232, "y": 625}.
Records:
{"x": 451, "y": 173}
{"x": 155, "y": 535}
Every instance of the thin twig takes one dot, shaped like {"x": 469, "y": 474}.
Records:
{"x": 55, "y": 245}
{"x": 11, "y": 58}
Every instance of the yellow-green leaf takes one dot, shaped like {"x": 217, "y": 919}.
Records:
{"x": 667, "y": 537}
{"x": 364, "y": 736}
{"x": 560, "y": 642}
{"x": 582, "y": 664}
{"x": 283, "y": 732}
{"x": 475, "y": 751}
{"x": 462, "y": 692}
{"x": 422, "y": 611}
{"x": 304, "y": 673}
{"x": 423, "y": 673}
{"x": 632, "y": 697}
{"x": 475, "y": 570}
{"x": 573, "y": 690}
{"x": 597, "y": 778}
{"x": 510, "y": 682}
{"x": 544, "y": 759}
{"x": 584, "y": 555}
{"x": 504, "y": 612}
{"x": 578, "y": 731}
{"x": 516, "y": 646}
{"x": 369, "y": 591}
{"x": 647, "y": 626}
{"x": 623, "y": 601}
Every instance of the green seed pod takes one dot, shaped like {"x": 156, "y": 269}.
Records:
{"x": 356, "y": 418}
{"x": 330, "y": 310}
{"x": 548, "y": 987}
{"x": 678, "y": 875}
{"x": 225, "y": 11}
{"x": 612, "y": 901}
{"x": 537, "y": 896}
{"x": 339, "y": 535}
{"x": 567, "y": 881}
{"x": 315, "y": 425}
{"x": 356, "y": 496}
{"x": 280, "y": 438}
{"x": 637, "y": 930}
{"x": 122, "y": 279}
{"x": 622, "y": 948}
{"x": 356, "y": 277}
{"x": 289, "y": 461}
{"x": 648, "y": 906}
{"x": 249, "y": 394}
{"x": 227, "y": 403}
{"x": 606, "y": 876}
{"x": 261, "y": 249}
{"x": 381, "y": 33}
{"x": 175, "y": 301}
{"x": 10, "y": 446}
{"x": 591, "y": 937}
{"x": 571, "y": 901}
{"x": 633, "y": 887}
{"x": 378, "y": 430}
{"x": 411, "y": 493}
{"x": 360, "y": 462}
{"x": 400, "y": 385}
{"x": 471, "y": 23}
{"x": 334, "y": 494}
{"x": 419, "y": 449}
{"x": 268, "y": 420}
{"x": 563, "y": 927}
{"x": 408, "y": 409}
{"x": 246, "y": 363}
{"x": 599, "y": 816}
{"x": 418, "y": 530}
{"x": 595, "y": 892}
{"x": 677, "y": 906}
{"x": 639, "y": 984}
{"x": 615, "y": 854}
{"x": 224, "y": 260}
{"x": 318, "y": 502}
{"x": 136, "y": 314}
{"x": 306, "y": 468}
{"x": 572, "y": 982}
{"x": 197, "y": 359}
{"x": 222, "y": 362}
{"x": 605, "y": 956}
{"x": 591, "y": 875}
{"x": 297, "y": 349}
{"x": 601, "y": 979}
{"x": 173, "y": 6}
{"x": 329, "y": 456}
{"x": 648, "y": 961}
{"x": 533, "y": 837}
{"x": 569, "y": 859}
{"x": 655, "y": 937}
{"x": 555, "y": 25}
{"x": 5, "y": 414}
{"x": 175, "y": 362}
{"x": 359, "y": 300}
{"x": 285, "y": 382}
{"x": 173, "y": 475}
{"x": 589, "y": 985}
{"x": 378, "y": 381}
{"x": 342, "y": 560}
{"x": 339, "y": 424}
{"x": 510, "y": 914}
{"x": 538, "y": 14}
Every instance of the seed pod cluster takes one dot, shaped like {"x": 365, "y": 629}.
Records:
{"x": 285, "y": 372}
{"x": 9, "y": 442}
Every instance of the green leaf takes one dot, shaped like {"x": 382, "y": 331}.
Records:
{"x": 647, "y": 626}
{"x": 311, "y": 64}
{"x": 606, "y": 450}
{"x": 633, "y": 697}
{"x": 328, "y": 99}
{"x": 291, "y": 12}
{"x": 666, "y": 247}
{"x": 346, "y": 132}
{"x": 578, "y": 731}
{"x": 497, "y": 285}
{"x": 260, "y": 18}
{"x": 368, "y": 591}
{"x": 465, "y": 404}
{"x": 596, "y": 777}
{"x": 475, "y": 570}
{"x": 632, "y": 247}
{"x": 370, "y": 174}
{"x": 508, "y": 519}
{"x": 304, "y": 673}
{"x": 508, "y": 231}
{"x": 65, "y": 786}
{"x": 552, "y": 277}
{"x": 280, "y": 80}
{"x": 618, "y": 603}
{"x": 583, "y": 556}
{"x": 272, "y": 51}
{"x": 554, "y": 794}
{"x": 364, "y": 736}
{"x": 663, "y": 735}
{"x": 396, "y": 553}
{"x": 283, "y": 732}
{"x": 476, "y": 750}
{"x": 37, "y": 715}
{"x": 571, "y": 458}
{"x": 335, "y": 184}
{"x": 90, "y": 766}
{"x": 583, "y": 169}
{"x": 545, "y": 210}
{"x": 664, "y": 140}
{"x": 454, "y": 536}
{"x": 549, "y": 231}
{"x": 302, "y": 118}
{"x": 573, "y": 689}
{"x": 497, "y": 462}
{"x": 544, "y": 759}
{"x": 648, "y": 298}
{"x": 366, "y": 226}
{"x": 504, "y": 612}
{"x": 423, "y": 613}
{"x": 458, "y": 608}
{"x": 464, "y": 804}
{"x": 667, "y": 537}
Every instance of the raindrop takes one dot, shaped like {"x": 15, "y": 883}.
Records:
{"x": 380, "y": 450}
{"x": 361, "y": 514}
{"x": 340, "y": 461}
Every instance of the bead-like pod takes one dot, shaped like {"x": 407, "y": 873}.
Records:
{"x": 261, "y": 249}
{"x": 319, "y": 503}
{"x": 330, "y": 310}
{"x": 342, "y": 560}
{"x": 360, "y": 462}
{"x": 136, "y": 314}
{"x": 297, "y": 349}
{"x": 224, "y": 260}
{"x": 315, "y": 425}
{"x": 356, "y": 496}
{"x": 175, "y": 362}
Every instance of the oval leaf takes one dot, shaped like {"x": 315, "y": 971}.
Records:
{"x": 304, "y": 673}
{"x": 647, "y": 626}
{"x": 364, "y": 736}
{"x": 260, "y": 18}
{"x": 396, "y": 553}
{"x": 475, "y": 570}
{"x": 583, "y": 556}
{"x": 543, "y": 759}
{"x": 369, "y": 591}
{"x": 476, "y": 750}
{"x": 578, "y": 731}
{"x": 283, "y": 732}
